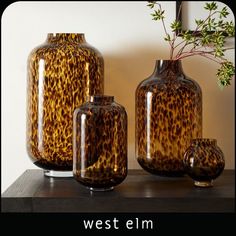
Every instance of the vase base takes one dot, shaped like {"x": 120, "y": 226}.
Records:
{"x": 58, "y": 174}
{"x": 100, "y": 189}
{"x": 157, "y": 171}
{"x": 203, "y": 184}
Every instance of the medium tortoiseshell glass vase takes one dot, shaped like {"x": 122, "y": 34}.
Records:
{"x": 168, "y": 116}
{"x": 100, "y": 143}
{"x": 62, "y": 72}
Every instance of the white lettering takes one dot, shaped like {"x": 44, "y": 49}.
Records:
{"x": 115, "y": 221}
{"x": 143, "y": 224}
{"x": 128, "y": 223}
{"x": 108, "y": 224}
{"x": 146, "y": 222}
{"x": 88, "y": 224}
{"x": 98, "y": 223}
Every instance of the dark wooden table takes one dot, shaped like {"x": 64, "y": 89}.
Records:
{"x": 140, "y": 192}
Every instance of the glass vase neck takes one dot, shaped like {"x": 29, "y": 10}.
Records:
{"x": 168, "y": 67}
{"x": 66, "y": 37}
{"x": 203, "y": 141}
{"x": 101, "y": 99}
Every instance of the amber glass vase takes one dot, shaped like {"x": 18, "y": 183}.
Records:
{"x": 168, "y": 116}
{"x": 62, "y": 72}
{"x": 204, "y": 161}
{"x": 100, "y": 143}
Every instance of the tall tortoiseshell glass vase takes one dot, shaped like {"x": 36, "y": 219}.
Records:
{"x": 100, "y": 143}
{"x": 62, "y": 72}
{"x": 168, "y": 116}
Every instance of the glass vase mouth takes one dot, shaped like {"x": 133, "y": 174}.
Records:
{"x": 62, "y": 37}
{"x": 203, "y": 141}
{"x": 67, "y": 34}
{"x": 168, "y": 60}
{"x": 103, "y": 99}
{"x": 168, "y": 68}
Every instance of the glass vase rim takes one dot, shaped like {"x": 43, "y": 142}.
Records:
{"x": 203, "y": 140}
{"x": 57, "y": 34}
{"x": 64, "y": 37}
{"x": 166, "y": 60}
{"x": 100, "y": 98}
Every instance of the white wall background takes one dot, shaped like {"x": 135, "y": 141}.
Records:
{"x": 130, "y": 43}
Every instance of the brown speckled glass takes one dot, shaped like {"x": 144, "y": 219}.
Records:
{"x": 100, "y": 143}
{"x": 62, "y": 72}
{"x": 204, "y": 161}
{"x": 168, "y": 116}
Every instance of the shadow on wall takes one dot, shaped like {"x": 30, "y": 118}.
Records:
{"x": 218, "y": 105}
{"x": 124, "y": 71}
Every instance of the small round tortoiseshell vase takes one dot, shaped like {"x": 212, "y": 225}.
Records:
{"x": 62, "y": 72}
{"x": 100, "y": 143}
{"x": 203, "y": 161}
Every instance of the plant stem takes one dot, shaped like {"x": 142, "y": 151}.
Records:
{"x": 198, "y": 27}
{"x": 204, "y": 55}
{"x": 164, "y": 26}
{"x": 206, "y": 40}
{"x": 175, "y": 34}
{"x": 208, "y": 55}
{"x": 179, "y": 44}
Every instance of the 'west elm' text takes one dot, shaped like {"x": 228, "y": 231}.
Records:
{"x": 114, "y": 224}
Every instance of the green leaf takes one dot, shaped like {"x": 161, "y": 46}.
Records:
{"x": 211, "y": 24}
{"x": 175, "y": 25}
{"x": 218, "y": 39}
{"x": 206, "y": 40}
{"x": 229, "y": 28}
{"x": 225, "y": 73}
{"x": 158, "y": 15}
{"x": 151, "y": 4}
{"x": 188, "y": 37}
{"x": 167, "y": 38}
{"x": 220, "y": 23}
{"x": 199, "y": 22}
{"x": 224, "y": 12}
{"x": 218, "y": 52}
{"x": 211, "y": 6}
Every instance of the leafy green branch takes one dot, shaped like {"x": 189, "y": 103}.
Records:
{"x": 206, "y": 40}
